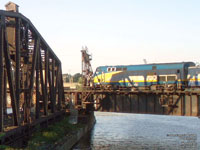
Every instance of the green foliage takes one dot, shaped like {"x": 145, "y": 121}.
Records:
{"x": 1, "y": 135}
{"x": 5, "y": 147}
{"x": 68, "y": 77}
{"x": 80, "y": 80}
{"x": 76, "y": 77}
{"x": 51, "y": 134}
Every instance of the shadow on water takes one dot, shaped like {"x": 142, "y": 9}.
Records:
{"x": 84, "y": 143}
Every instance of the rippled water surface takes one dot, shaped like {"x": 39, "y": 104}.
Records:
{"x": 124, "y": 131}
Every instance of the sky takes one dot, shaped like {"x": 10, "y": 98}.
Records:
{"x": 117, "y": 32}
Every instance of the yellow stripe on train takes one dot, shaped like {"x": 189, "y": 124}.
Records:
{"x": 107, "y": 77}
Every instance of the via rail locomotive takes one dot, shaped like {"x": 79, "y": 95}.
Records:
{"x": 182, "y": 74}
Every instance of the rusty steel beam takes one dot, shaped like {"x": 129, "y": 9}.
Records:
{"x": 50, "y": 85}
{"x": 42, "y": 84}
{"x": 9, "y": 69}
{"x": 37, "y": 114}
{"x": 46, "y": 78}
{"x": 5, "y": 92}
{"x": 34, "y": 61}
{"x": 53, "y": 100}
{"x": 1, "y": 71}
{"x": 61, "y": 84}
{"x": 59, "y": 88}
{"x": 56, "y": 84}
{"x": 18, "y": 56}
{"x": 31, "y": 85}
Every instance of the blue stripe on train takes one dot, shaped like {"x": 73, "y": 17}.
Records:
{"x": 194, "y": 83}
{"x": 129, "y": 84}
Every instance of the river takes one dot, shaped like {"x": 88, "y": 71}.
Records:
{"x": 123, "y": 131}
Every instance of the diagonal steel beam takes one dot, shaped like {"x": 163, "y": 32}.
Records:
{"x": 37, "y": 113}
{"x": 33, "y": 68}
{"x": 61, "y": 84}
{"x": 18, "y": 55}
{"x": 42, "y": 83}
{"x": 46, "y": 75}
{"x": 59, "y": 87}
{"x": 1, "y": 70}
{"x": 53, "y": 86}
{"x": 9, "y": 69}
{"x": 50, "y": 85}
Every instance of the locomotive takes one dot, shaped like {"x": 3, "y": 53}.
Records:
{"x": 179, "y": 74}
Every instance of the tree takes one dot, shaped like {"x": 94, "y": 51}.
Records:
{"x": 76, "y": 77}
{"x": 67, "y": 77}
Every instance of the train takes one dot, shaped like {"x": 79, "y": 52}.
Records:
{"x": 176, "y": 75}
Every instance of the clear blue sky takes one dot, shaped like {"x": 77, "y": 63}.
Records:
{"x": 117, "y": 32}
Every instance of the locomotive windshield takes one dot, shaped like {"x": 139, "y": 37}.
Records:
{"x": 98, "y": 71}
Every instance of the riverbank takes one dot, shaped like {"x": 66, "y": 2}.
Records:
{"x": 68, "y": 142}
{"x": 87, "y": 122}
{"x": 62, "y": 135}
{"x": 59, "y": 136}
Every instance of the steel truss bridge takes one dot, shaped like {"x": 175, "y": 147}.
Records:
{"x": 31, "y": 80}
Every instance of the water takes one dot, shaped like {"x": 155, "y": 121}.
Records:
{"x": 122, "y": 131}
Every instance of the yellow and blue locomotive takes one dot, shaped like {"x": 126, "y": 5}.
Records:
{"x": 179, "y": 74}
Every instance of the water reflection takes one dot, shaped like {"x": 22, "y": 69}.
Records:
{"x": 142, "y": 132}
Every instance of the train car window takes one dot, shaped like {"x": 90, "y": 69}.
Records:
{"x": 118, "y": 69}
{"x": 171, "y": 78}
{"x": 154, "y": 67}
{"x": 109, "y": 69}
{"x": 162, "y": 78}
{"x": 113, "y": 69}
{"x": 124, "y": 69}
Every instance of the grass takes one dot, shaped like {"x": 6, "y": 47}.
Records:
{"x": 5, "y": 147}
{"x": 49, "y": 136}
{"x": 1, "y": 135}
{"x": 43, "y": 138}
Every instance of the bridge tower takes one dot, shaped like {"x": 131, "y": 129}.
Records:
{"x": 86, "y": 67}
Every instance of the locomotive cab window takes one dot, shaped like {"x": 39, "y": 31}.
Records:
{"x": 113, "y": 69}
{"x": 109, "y": 69}
{"x": 98, "y": 71}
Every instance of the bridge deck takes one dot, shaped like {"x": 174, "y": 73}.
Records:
{"x": 167, "y": 102}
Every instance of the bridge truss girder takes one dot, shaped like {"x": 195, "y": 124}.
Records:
{"x": 28, "y": 68}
